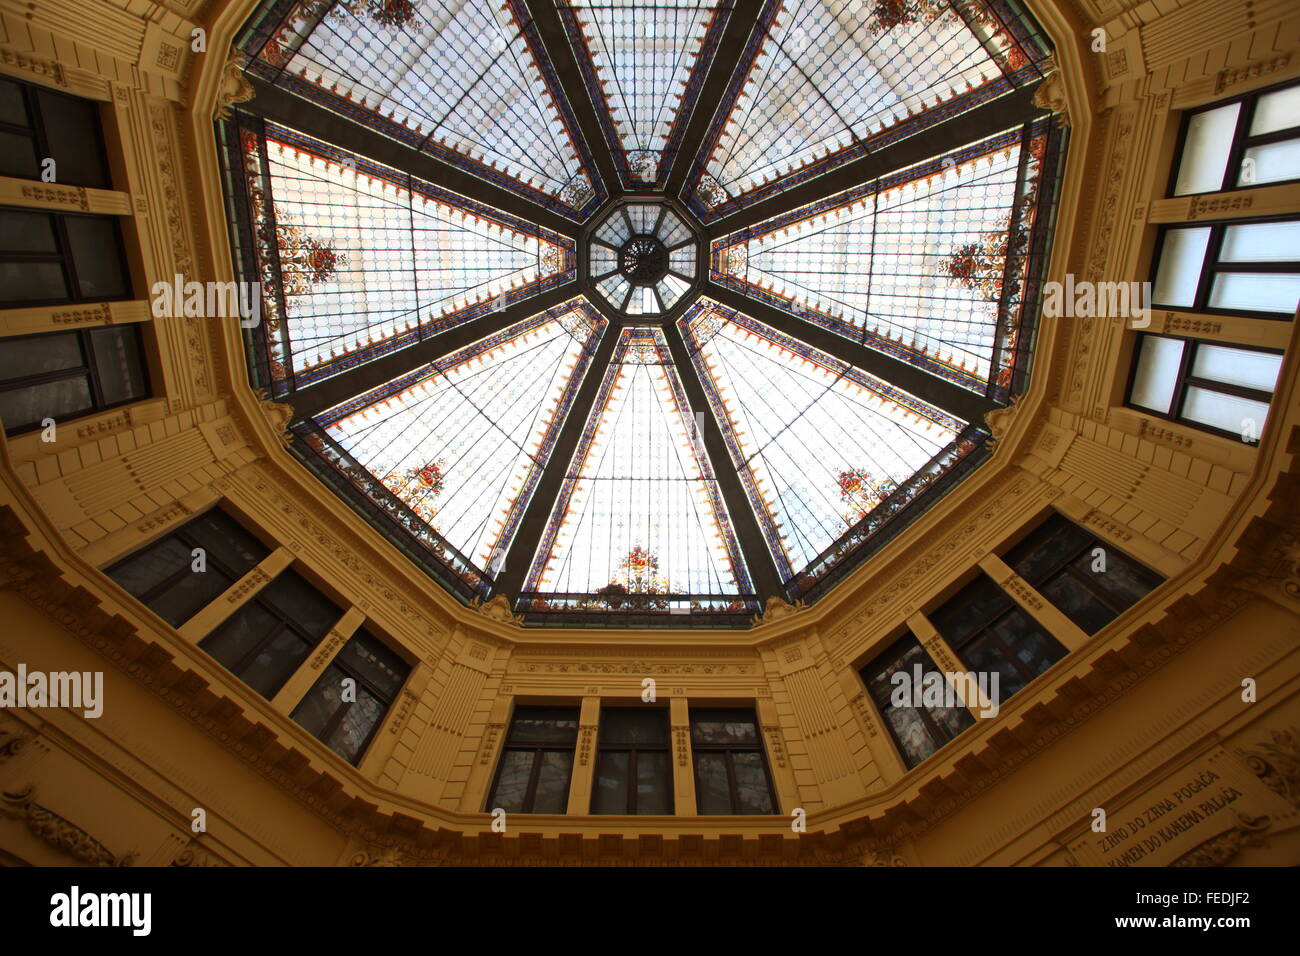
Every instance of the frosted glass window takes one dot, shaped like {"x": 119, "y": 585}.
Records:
{"x": 1181, "y": 258}
{"x": 1157, "y": 372}
{"x": 1261, "y": 242}
{"x": 1243, "y": 367}
{"x": 1276, "y": 111}
{"x": 1205, "y": 151}
{"x": 1255, "y": 291}
{"x": 1270, "y": 163}
{"x": 1228, "y": 412}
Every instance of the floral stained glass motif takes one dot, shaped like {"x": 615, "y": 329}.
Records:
{"x": 463, "y": 441}
{"x": 912, "y": 264}
{"x": 818, "y": 443}
{"x": 468, "y": 83}
{"x": 644, "y": 63}
{"x": 824, "y": 82}
{"x": 639, "y": 511}
{"x": 369, "y": 260}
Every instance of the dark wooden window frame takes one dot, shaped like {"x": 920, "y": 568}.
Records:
{"x": 1184, "y": 381}
{"x": 63, "y": 256}
{"x": 604, "y": 746}
{"x": 37, "y": 133}
{"x": 536, "y": 749}
{"x": 186, "y": 537}
{"x": 887, "y": 661}
{"x": 362, "y": 682}
{"x": 1211, "y": 266}
{"x": 1241, "y": 141}
{"x": 88, "y": 370}
{"x": 1065, "y": 567}
{"x": 985, "y": 629}
{"x": 729, "y": 750}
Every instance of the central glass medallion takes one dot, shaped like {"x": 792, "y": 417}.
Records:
{"x": 641, "y": 259}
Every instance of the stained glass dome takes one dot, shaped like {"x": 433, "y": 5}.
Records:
{"x": 642, "y": 312}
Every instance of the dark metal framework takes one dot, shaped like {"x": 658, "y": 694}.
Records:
{"x": 348, "y": 130}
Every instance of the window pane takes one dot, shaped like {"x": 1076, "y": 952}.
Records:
{"x": 970, "y": 609}
{"x": 726, "y": 727}
{"x": 18, "y": 156}
{"x": 322, "y": 702}
{"x": 633, "y": 725}
{"x": 1078, "y": 603}
{"x": 1270, "y": 163}
{"x": 96, "y": 257}
{"x": 654, "y": 783}
{"x": 120, "y": 364}
{"x": 32, "y": 282}
{"x": 298, "y": 601}
{"x": 1244, "y": 367}
{"x": 12, "y": 108}
{"x": 150, "y": 566}
{"x": 544, "y": 725}
{"x": 752, "y": 791}
{"x": 1205, "y": 151}
{"x": 712, "y": 791}
{"x": 72, "y": 131}
{"x": 33, "y": 354}
{"x": 1154, "y": 380}
{"x": 1261, "y": 242}
{"x": 22, "y": 231}
{"x": 368, "y": 657}
{"x": 275, "y": 663}
{"x": 241, "y": 632}
{"x": 552, "y": 794}
{"x": 1179, "y": 273}
{"x": 1277, "y": 110}
{"x": 610, "y": 794}
{"x": 226, "y": 541}
{"x": 191, "y": 593}
{"x": 354, "y": 731}
{"x": 1124, "y": 580}
{"x": 1256, "y": 291}
{"x": 1047, "y": 548}
{"x": 1240, "y": 416}
{"x": 914, "y": 738}
{"x": 29, "y": 406}
{"x": 512, "y": 784}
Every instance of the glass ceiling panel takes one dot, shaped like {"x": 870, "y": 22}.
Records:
{"x": 644, "y": 63}
{"x": 462, "y": 441}
{"x": 819, "y": 444}
{"x": 825, "y": 82}
{"x": 368, "y": 260}
{"x": 639, "y": 521}
{"x": 913, "y": 264}
{"x": 468, "y": 83}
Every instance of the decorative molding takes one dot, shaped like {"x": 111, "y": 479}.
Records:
{"x": 1276, "y": 762}
{"x": 776, "y": 609}
{"x": 58, "y": 832}
{"x": 1050, "y": 95}
{"x": 1223, "y": 849}
{"x": 999, "y": 420}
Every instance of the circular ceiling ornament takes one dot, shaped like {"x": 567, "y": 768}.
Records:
{"x": 642, "y": 259}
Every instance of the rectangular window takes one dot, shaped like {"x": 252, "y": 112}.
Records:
{"x": 731, "y": 774}
{"x": 1224, "y": 389}
{"x": 64, "y": 375}
{"x": 634, "y": 772}
{"x": 1238, "y": 268}
{"x": 37, "y": 125}
{"x": 537, "y": 761}
{"x": 345, "y": 716}
{"x": 990, "y": 633}
{"x": 1091, "y": 582}
{"x": 265, "y": 640}
{"x": 51, "y": 258}
{"x": 163, "y": 575}
{"x": 1253, "y": 140}
{"x": 917, "y": 729}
